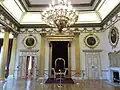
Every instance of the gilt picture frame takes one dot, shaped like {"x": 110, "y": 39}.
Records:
{"x": 91, "y": 41}
{"x": 113, "y": 36}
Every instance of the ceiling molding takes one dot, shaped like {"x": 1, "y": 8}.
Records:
{"x": 107, "y": 18}
{"x": 29, "y": 5}
{"x": 92, "y": 2}
{"x": 8, "y": 16}
{"x": 46, "y": 26}
{"x": 96, "y": 5}
{"x": 65, "y": 31}
{"x": 111, "y": 14}
{"x": 46, "y": 5}
{"x": 23, "y": 5}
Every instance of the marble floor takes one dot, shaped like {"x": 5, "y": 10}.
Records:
{"x": 36, "y": 85}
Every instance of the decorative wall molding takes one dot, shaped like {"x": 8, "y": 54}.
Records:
{"x": 24, "y": 50}
{"x": 28, "y": 52}
{"x": 54, "y": 31}
{"x": 97, "y": 50}
{"x": 7, "y": 23}
{"x": 60, "y": 38}
{"x": 112, "y": 21}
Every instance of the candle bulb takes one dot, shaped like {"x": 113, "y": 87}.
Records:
{"x": 65, "y": 1}
{"x": 53, "y": 2}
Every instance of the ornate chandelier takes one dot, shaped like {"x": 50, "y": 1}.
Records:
{"x": 60, "y": 15}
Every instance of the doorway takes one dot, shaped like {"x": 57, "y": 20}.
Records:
{"x": 27, "y": 66}
{"x": 59, "y": 50}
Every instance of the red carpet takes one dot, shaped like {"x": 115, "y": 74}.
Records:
{"x": 63, "y": 81}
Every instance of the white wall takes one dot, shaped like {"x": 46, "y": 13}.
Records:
{"x": 20, "y": 46}
{"x": 108, "y": 48}
{"x": 104, "y": 62}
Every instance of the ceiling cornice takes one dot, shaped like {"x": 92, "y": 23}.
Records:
{"x": 96, "y": 5}
{"x": 46, "y": 26}
{"x": 92, "y": 2}
{"x": 9, "y": 16}
{"x": 45, "y": 5}
{"x": 23, "y": 5}
{"x": 111, "y": 14}
{"x": 29, "y": 5}
{"x": 107, "y": 18}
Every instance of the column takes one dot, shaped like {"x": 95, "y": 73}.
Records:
{"x": 77, "y": 52}
{"x": 13, "y": 56}
{"x": 69, "y": 59}
{"x": 42, "y": 54}
{"x": 50, "y": 58}
{"x": 4, "y": 56}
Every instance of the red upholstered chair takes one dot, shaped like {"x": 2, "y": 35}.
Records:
{"x": 59, "y": 69}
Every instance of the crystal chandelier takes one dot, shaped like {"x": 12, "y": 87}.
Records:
{"x": 60, "y": 15}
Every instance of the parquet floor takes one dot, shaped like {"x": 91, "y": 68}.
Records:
{"x": 36, "y": 85}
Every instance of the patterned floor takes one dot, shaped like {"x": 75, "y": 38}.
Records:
{"x": 37, "y": 85}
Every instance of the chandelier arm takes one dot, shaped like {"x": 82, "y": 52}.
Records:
{"x": 60, "y": 15}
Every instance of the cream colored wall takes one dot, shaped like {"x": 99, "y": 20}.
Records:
{"x": 104, "y": 62}
{"x": 104, "y": 45}
{"x": 20, "y": 46}
{"x": 108, "y": 48}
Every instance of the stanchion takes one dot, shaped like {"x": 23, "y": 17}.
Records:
{"x": 60, "y": 84}
{"x": 78, "y": 76}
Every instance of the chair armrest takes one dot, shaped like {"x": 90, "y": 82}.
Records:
{"x": 66, "y": 68}
{"x": 65, "y": 71}
{"x": 53, "y": 70}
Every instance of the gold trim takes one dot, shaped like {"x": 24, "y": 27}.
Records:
{"x": 60, "y": 38}
{"x": 1, "y": 79}
{"x": 77, "y": 53}
{"x": 69, "y": 59}
{"x": 50, "y": 59}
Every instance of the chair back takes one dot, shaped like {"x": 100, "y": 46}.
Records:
{"x": 59, "y": 65}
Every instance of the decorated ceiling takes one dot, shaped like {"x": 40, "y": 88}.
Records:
{"x": 29, "y": 11}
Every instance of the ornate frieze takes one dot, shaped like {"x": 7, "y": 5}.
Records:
{"x": 8, "y": 23}
{"x": 112, "y": 21}
{"x": 66, "y": 31}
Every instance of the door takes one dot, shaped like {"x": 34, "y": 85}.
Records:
{"x": 93, "y": 65}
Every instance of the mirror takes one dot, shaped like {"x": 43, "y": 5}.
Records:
{"x": 114, "y": 58}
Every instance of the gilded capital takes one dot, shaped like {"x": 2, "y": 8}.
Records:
{"x": 43, "y": 34}
{"x": 76, "y": 33}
